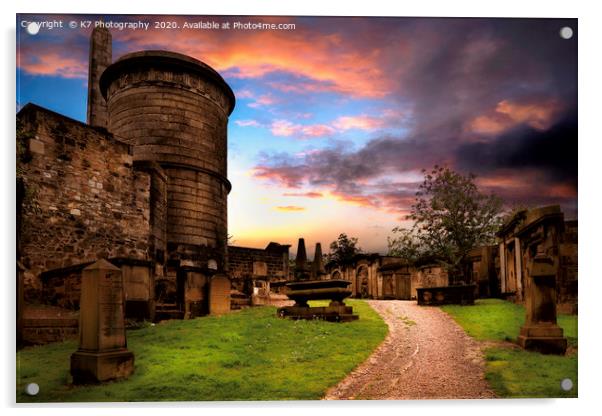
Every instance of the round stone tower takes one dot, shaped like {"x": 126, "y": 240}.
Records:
{"x": 174, "y": 110}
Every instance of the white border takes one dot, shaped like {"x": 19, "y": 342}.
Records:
{"x": 590, "y": 177}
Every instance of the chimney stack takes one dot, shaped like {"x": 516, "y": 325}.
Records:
{"x": 100, "y": 57}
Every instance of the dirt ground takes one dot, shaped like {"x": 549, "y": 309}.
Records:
{"x": 426, "y": 355}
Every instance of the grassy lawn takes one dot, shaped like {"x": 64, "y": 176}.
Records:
{"x": 514, "y": 372}
{"x": 247, "y": 355}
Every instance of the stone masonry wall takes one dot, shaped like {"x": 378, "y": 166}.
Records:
{"x": 84, "y": 198}
{"x": 566, "y": 285}
{"x": 241, "y": 259}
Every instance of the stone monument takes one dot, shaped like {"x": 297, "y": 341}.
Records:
{"x": 540, "y": 232}
{"x": 318, "y": 271}
{"x": 102, "y": 353}
{"x": 302, "y": 269}
{"x": 307, "y": 286}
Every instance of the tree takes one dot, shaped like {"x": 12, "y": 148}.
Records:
{"x": 451, "y": 217}
{"x": 405, "y": 245}
{"x": 343, "y": 250}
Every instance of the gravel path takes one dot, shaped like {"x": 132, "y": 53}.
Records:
{"x": 426, "y": 355}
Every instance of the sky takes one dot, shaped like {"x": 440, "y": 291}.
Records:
{"x": 336, "y": 119}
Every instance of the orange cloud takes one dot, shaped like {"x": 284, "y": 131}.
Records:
{"x": 290, "y": 208}
{"x": 562, "y": 191}
{"x": 289, "y": 176}
{"x": 539, "y": 116}
{"x": 325, "y": 61}
{"x": 337, "y": 63}
{"x": 52, "y": 64}
{"x": 303, "y": 87}
{"x": 361, "y": 200}
{"x": 362, "y": 122}
{"x": 508, "y": 114}
{"x": 304, "y": 194}
{"x": 317, "y": 130}
{"x": 286, "y": 128}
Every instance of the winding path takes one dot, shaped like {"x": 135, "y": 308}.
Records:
{"x": 426, "y": 355}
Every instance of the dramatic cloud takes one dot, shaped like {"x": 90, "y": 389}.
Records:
{"x": 552, "y": 151}
{"x": 495, "y": 97}
{"x": 523, "y": 165}
{"x": 383, "y": 98}
{"x": 508, "y": 114}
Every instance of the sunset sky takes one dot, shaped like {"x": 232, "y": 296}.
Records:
{"x": 335, "y": 120}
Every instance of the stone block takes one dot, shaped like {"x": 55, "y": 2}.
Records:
{"x": 94, "y": 367}
{"x": 36, "y": 146}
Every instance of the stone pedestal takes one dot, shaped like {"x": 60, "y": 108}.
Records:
{"x": 102, "y": 353}
{"x": 543, "y": 337}
{"x": 541, "y": 332}
{"x": 303, "y": 291}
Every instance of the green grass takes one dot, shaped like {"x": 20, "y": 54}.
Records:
{"x": 514, "y": 372}
{"x": 247, "y": 355}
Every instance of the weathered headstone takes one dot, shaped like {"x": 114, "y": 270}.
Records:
{"x": 219, "y": 295}
{"x": 195, "y": 294}
{"x": 540, "y": 234}
{"x": 102, "y": 353}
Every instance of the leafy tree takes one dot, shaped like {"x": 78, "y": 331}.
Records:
{"x": 343, "y": 249}
{"x": 451, "y": 217}
{"x": 405, "y": 245}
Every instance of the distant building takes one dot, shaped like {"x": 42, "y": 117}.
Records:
{"x": 387, "y": 277}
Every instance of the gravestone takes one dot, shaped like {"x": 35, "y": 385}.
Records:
{"x": 219, "y": 295}
{"x": 102, "y": 353}
{"x": 539, "y": 235}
